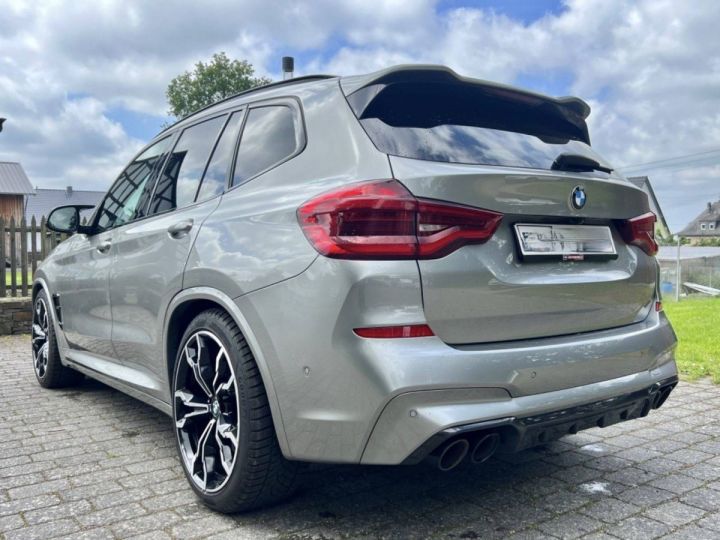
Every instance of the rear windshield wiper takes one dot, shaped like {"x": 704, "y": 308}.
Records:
{"x": 577, "y": 163}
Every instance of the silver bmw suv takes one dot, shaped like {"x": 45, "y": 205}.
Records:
{"x": 389, "y": 268}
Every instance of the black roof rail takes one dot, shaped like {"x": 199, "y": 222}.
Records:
{"x": 304, "y": 78}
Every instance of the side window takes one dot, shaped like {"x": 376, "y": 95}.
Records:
{"x": 270, "y": 136}
{"x": 213, "y": 182}
{"x": 180, "y": 178}
{"x": 128, "y": 196}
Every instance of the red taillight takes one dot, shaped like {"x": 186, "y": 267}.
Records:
{"x": 407, "y": 331}
{"x": 382, "y": 220}
{"x": 640, "y": 231}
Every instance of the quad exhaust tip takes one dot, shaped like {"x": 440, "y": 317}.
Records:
{"x": 485, "y": 448}
{"x": 453, "y": 453}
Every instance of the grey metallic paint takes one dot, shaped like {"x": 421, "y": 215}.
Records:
{"x": 335, "y": 396}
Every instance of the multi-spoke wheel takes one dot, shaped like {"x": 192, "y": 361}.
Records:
{"x": 206, "y": 411}
{"x": 40, "y": 325}
{"x": 225, "y": 435}
{"x": 48, "y": 368}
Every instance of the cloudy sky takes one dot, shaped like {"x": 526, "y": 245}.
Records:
{"x": 83, "y": 83}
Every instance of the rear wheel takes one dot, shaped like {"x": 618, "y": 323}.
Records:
{"x": 49, "y": 370}
{"x": 224, "y": 429}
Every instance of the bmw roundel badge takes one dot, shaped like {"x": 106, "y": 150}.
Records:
{"x": 578, "y": 197}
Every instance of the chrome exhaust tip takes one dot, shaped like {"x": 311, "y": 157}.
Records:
{"x": 485, "y": 447}
{"x": 452, "y": 454}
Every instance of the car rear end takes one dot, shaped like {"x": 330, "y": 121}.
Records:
{"x": 497, "y": 290}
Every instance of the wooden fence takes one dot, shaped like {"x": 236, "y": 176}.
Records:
{"x": 22, "y": 248}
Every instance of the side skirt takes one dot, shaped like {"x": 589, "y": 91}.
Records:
{"x": 122, "y": 387}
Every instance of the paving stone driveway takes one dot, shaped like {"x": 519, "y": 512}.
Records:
{"x": 90, "y": 462}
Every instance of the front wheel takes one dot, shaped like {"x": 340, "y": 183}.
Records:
{"x": 49, "y": 371}
{"x": 224, "y": 429}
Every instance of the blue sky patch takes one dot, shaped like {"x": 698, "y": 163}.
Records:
{"x": 527, "y": 11}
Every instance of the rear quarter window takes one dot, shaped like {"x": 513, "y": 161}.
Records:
{"x": 271, "y": 135}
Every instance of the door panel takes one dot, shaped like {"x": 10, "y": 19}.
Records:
{"x": 151, "y": 254}
{"x": 80, "y": 270}
{"x": 146, "y": 273}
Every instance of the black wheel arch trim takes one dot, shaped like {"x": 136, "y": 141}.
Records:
{"x": 226, "y": 302}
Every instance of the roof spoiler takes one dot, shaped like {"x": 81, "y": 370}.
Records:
{"x": 573, "y": 109}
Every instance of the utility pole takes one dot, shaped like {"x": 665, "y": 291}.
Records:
{"x": 677, "y": 271}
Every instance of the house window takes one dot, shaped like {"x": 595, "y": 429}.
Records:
{"x": 711, "y": 226}
{"x": 703, "y": 226}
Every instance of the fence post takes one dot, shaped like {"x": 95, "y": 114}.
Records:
{"x": 43, "y": 238}
{"x": 3, "y": 284}
{"x": 13, "y": 259}
{"x": 33, "y": 245}
{"x": 678, "y": 269}
{"x": 23, "y": 257}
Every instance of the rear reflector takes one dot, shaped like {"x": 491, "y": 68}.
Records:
{"x": 383, "y": 220}
{"x": 640, "y": 231}
{"x": 658, "y": 306}
{"x": 408, "y": 331}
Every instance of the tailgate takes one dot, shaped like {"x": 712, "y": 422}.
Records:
{"x": 490, "y": 293}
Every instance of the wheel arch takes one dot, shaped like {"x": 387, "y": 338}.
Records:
{"x": 40, "y": 284}
{"x": 183, "y": 308}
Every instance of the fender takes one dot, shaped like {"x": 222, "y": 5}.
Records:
{"x": 219, "y": 297}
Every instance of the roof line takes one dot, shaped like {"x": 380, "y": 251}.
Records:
{"x": 275, "y": 84}
{"x": 73, "y": 190}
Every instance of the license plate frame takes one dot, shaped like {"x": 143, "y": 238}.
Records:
{"x": 564, "y": 241}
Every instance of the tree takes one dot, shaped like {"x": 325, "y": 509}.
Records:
{"x": 210, "y": 82}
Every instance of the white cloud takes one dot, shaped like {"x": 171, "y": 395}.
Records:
{"x": 650, "y": 69}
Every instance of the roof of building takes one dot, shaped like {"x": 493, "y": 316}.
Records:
{"x": 669, "y": 253}
{"x": 42, "y": 201}
{"x": 711, "y": 214}
{"x": 643, "y": 182}
{"x": 13, "y": 180}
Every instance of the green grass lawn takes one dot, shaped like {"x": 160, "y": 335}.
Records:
{"x": 697, "y": 324}
{"x": 18, "y": 274}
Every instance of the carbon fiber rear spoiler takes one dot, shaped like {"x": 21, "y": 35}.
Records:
{"x": 573, "y": 109}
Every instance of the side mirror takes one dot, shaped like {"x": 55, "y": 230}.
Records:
{"x": 66, "y": 219}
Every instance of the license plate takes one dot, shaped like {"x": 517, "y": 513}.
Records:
{"x": 568, "y": 242}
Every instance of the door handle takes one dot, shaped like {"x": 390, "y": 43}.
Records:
{"x": 104, "y": 246}
{"x": 181, "y": 228}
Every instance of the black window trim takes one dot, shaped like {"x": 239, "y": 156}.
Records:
{"x": 172, "y": 136}
{"x": 178, "y": 134}
{"x": 298, "y": 115}
{"x": 291, "y": 101}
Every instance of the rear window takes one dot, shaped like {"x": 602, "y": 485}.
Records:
{"x": 465, "y": 123}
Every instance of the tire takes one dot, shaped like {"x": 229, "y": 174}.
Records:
{"x": 48, "y": 368}
{"x": 220, "y": 407}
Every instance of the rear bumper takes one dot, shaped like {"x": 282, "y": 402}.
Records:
{"x": 414, "y": 424}
{"x": 518, "y": 434}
